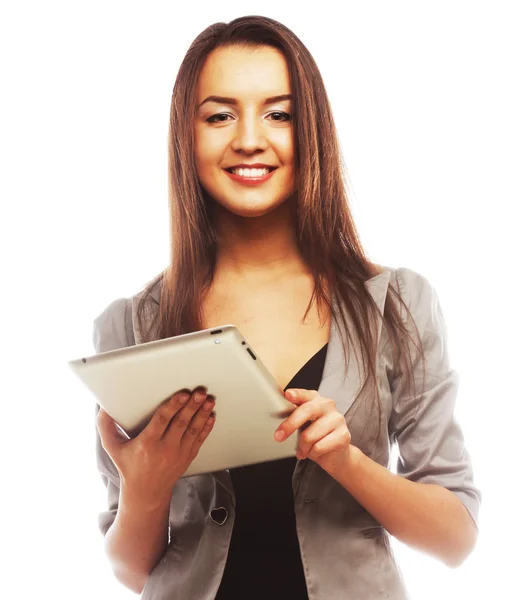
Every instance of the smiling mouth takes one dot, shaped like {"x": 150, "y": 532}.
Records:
{"x": 231, "y": 169}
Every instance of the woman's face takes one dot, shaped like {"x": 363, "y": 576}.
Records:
{"x": 245, "y": 124}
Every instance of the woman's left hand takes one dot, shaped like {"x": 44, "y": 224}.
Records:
{"x": 327, "y": 440}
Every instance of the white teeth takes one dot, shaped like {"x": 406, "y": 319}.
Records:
{"x": 243, "y": 172}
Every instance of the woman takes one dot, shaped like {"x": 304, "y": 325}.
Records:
{"x": 262, "y": 237}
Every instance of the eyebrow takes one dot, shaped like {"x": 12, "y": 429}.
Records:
{"x": 234, "y": 102}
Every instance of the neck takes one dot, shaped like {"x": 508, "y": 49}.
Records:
{"x": 258, "y": 249}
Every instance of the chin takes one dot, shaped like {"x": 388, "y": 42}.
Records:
{"x": 251, "y": 209}
{"x": 248, "y": 203}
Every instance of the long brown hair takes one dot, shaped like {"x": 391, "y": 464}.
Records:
{"x": 325, "y": 229}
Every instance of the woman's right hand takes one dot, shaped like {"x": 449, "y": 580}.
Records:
{"x": 150, "y": 464}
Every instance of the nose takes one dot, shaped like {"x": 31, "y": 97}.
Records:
{"x": 249, "y": 135}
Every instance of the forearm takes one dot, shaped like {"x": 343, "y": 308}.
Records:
{"x": 136, "y": 540}
{"x": 427, "y": 517}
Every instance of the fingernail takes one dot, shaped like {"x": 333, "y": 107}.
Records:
{"x": 279, "y": 435}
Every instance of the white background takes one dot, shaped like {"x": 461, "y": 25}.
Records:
{"x": 420, "y": 97}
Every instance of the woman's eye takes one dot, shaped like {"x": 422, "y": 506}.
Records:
{"x": 216, "y": 118}
{"x": 213, "y": 118}
{"x": 286, "y": 115}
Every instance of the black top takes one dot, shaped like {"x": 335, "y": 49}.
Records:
{"x": 264, "y": 560}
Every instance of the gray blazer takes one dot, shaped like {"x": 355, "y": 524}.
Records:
{"x": 346, "y": 553}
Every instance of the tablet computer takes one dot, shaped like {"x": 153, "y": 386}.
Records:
{"x": 131, "y": 383}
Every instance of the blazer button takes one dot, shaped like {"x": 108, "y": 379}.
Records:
{"x": 219, "y": 515}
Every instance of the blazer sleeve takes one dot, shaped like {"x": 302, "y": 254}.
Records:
{"x": 112, "y": 329}
{"x": 429, "y": 438}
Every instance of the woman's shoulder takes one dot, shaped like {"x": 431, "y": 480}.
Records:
{"x": 407, "y": 279}
{"x": 112, "y": 327}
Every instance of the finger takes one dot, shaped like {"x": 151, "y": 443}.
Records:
{"x": 337, "y": 440}
{"x": 202, "y": 436}
{"x": 156, "y": 427}
{"x": 197, "y": 424}
{"x": 180, "y": 423}
{"x": 309, "y": 411}
{"x": 301, "y": 396}
{"x": 318, "y": 430}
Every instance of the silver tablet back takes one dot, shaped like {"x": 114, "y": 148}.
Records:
{"x": 130, "y": 383}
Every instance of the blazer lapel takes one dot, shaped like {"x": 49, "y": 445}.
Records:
{"x": 337, "y": 383}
